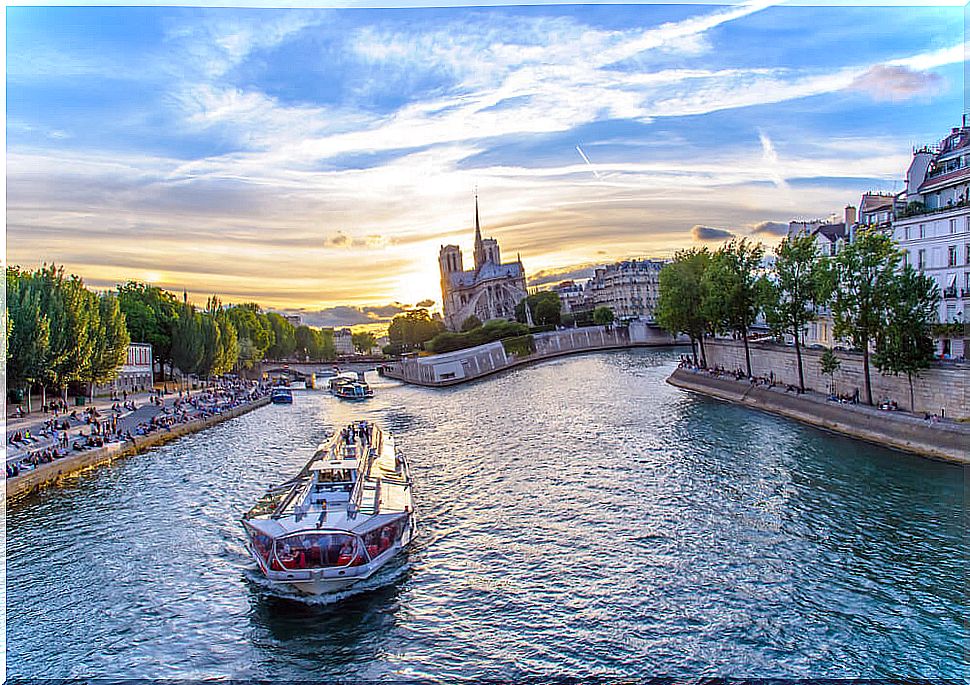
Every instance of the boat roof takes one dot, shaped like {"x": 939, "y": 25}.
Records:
{"x": 342, "y": 464}
{"x": 381, "y": 491}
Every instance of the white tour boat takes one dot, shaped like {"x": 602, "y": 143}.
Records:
{"x": 344, "y": 516}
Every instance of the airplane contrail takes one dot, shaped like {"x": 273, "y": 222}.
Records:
{"x": 586, "y": 159}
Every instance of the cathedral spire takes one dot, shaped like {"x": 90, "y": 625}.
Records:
{"x": 479, "y": 245}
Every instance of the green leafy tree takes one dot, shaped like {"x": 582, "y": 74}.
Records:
{"x": 188, "y": 347}
{"x": 284, "y": 337}
{"x": 680, "y": 304}
{"x": 734, "y": 289}
{"x": 413, "y": 328}
{"x": 150, "y": 315}
{"x": 546, "y": 308}
{"x": 109, "y": 335}
{"x": 603, "y": 316}
{"x": 363, "y": 342}
{"x": 471, "y": 323}
{"x": 254, "y": 333}
{"x": 829, "y": 364}
{"x": 28, "y": 329}
{"x": 800, "y": 286}
{"x": 905, "y": 344}
{"x": 305, "y": 346}
{"x": 865, "y": 273}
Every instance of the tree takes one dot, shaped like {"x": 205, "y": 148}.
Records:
{"x": 363, "y": 342}
{"x": 28, "y": 331}
{"x": 303, "y": 335}
{"x": 680, "y": 305}
{"x": 187, "y": 344}
{"x": 284, "y": 337}
{"x": 865, "y": 271}
{"x": 829, "y": 364}
{"x": 603, "y": 316}
{"x": 905, "y": 344}
{"x": 109, "y": 335}
{"x": 546, "y": 308}
{"x": 254, "y": 333}
{"x": 413, "y": 328}
{"x": 734, "y": 289}
{"x": 801, "y": 283}
{"x": 470, "y": 323}
{"x": 150, "y": 315}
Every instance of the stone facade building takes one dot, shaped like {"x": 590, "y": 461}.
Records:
{"x": 934, "y": 227}
{"x": 489, "y": 291}
{"x": 630, "y": 288}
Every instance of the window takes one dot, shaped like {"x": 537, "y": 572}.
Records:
{"x": 953, "y": 225}
{"x": 967, "y": 259}
{"x": 921, "y": 259}
{"x": 906, "y": 233}
{"x": 922, "y": 231}
{"x": 951, "y": 255}
{"x": 905, "y": 259}
{"x": 315, "y": 550}
{"x": 381, "y": 539}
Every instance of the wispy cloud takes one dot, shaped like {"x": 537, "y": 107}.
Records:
{"x": 333, "y": 182}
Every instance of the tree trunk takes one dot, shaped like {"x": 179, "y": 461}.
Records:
{"x": 798, "y": 359}
{"x": 747, "y": 352}
{"x": 912, "y": 395}
{"x": 693, "y": 348}
{"x": 703, "y": 352}
{"x": 43, "y": 395}
{"x": 865, "y": 371}
{"x": 27, "y": 402}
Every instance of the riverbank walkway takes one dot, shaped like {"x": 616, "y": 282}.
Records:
{"x": 40, "y": 439}
{"x": 927, "y": 435}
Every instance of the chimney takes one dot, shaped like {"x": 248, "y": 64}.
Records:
{"x": 850, "y": 216}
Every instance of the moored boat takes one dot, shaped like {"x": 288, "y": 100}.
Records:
{"x": 344, "y": 516}
{"x": 281, "y": 396}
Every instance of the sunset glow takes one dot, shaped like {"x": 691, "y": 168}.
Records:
{"x": 316, "y": 159}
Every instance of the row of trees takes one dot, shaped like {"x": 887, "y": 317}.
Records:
{"x": 216, "y": 339}
{"x": 884, "y": 308}
{"x": 59, "y": 332}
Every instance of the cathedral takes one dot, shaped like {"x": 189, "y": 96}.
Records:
{"x": 489, "y": 291}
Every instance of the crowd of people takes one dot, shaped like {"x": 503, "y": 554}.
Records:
{"x": 96, "y": 428}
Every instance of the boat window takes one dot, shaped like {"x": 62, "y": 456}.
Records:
{"x": 380, "y": 539}
{"x": 317, "y": 550}
{"x": 334, "y": 476}
{"x": 262, "y": 543}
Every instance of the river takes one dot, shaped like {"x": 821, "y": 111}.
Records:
{"x": 579, "y": 517}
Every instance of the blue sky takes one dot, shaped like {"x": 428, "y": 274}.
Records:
{"x": 314, "y": 158}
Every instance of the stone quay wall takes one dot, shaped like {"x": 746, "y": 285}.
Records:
{"x": 471, "y": 363}
{"x": 49, "y": 474}
{"x": 947, "y": 441}
{"x": 940, "y": 388}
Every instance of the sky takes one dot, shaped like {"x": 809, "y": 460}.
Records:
{"x": 315, "y": 160}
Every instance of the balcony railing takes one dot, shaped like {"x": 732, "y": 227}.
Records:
{"x": 949, "y": 293}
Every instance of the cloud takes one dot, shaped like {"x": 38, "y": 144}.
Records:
{"x": 897, "y": 83}
{"x": 709, "y": 233}
{"x": 345, "y": 315}
{"x": 574, "y": 272}
{"x": 769, "y": 228}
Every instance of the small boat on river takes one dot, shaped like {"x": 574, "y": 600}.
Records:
{"x": 348, "y": 386}
{"x": 344, "y": 516}
{"x": 281, "y": 396}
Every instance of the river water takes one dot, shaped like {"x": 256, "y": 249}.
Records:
{"x": 580, "y": 517}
